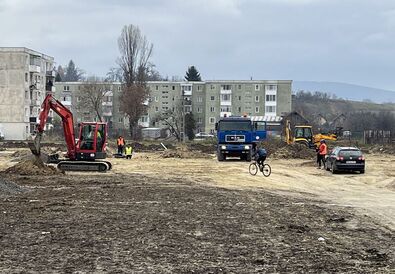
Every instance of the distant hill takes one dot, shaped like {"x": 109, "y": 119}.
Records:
{"x": 346, "y": 91}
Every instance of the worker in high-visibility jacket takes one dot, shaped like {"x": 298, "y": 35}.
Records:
{"x": 129, "y": 151}
{"x": 120, "y": 144}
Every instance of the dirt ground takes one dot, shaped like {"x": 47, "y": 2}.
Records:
{"x": 153, "y": 214}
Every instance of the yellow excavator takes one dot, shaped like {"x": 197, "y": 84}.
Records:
{"x": 303, "y": 134}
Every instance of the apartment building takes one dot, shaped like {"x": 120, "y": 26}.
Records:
{"x": 25, "y": 78}
{"x": 264, "y": 100}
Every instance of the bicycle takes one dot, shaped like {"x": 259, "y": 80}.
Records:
{"x": 264, "y": 168}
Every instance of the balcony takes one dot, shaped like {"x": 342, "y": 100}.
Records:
{"x": 66, "y": 103}
{"x": 225, "y": 91}
{"x": 50, "y": 74}
{"x": 106, "y": 104}
{"x": 107, "y": 113}
{"x": 227, "y": 114}
{"x": 34, "y": 68}
{"x": 34, "y": 102}
{"x": 226, "y": 103}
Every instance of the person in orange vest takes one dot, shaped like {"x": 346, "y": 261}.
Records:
{"x": 322, "y": 151}
{"x": 120, "y": 144}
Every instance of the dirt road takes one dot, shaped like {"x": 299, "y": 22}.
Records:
{"x": 372, "y": 193}
{"x": 156, "y": 215}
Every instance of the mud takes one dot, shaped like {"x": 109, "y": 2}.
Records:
{"x": 294, "y": 151}
{"x": 32, "y": 166}
{"x": 147, "y": 224}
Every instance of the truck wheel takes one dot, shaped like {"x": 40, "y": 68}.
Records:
{"x": 220, "y": 156}
{"x": 248, "y": 157}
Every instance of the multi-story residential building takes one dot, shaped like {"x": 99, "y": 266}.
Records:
{"x": 25, "y": 78}
{"x": 264, "y": 100}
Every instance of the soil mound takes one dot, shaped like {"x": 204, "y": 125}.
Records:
{"x": 32, "y": 166}
{"x": 8, "y": 187}
{"x": 294, "y": 151}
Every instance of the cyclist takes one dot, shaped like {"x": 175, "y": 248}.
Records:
{"x": 260, "y": 156}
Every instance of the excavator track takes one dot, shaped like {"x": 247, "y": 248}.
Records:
{"x": 100, "y": 166}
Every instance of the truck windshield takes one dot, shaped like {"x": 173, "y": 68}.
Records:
{"x": 235, "y": 125}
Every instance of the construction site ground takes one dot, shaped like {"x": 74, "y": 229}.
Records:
{"x": 157, "y": 213}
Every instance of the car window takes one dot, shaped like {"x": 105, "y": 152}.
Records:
{"x": 350, "y": 153}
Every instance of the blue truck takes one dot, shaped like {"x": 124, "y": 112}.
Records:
{"x": 237, "y": 137}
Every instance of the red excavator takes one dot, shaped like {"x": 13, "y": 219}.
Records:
{"x": 82, "y": 155}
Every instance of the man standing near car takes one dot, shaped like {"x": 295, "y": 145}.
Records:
{"x": 322, "y": 150}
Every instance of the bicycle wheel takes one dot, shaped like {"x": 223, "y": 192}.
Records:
{"x": 267, "y": 170}
{"x": 253, "y": 169}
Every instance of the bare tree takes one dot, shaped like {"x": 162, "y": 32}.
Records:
{"x": 91, "y": 98}
{"x": 172, "y": 120}
{"x": 134, "y": 62}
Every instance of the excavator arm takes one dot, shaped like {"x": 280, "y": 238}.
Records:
{"x": 67, "y": 121}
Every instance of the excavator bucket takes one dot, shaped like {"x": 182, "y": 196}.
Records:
{"x": 35, "y": 145}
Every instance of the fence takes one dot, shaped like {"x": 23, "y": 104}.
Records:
{"x": 377, "y": 137}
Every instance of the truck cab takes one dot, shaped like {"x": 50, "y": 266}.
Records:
{"x": 237, "y": 137}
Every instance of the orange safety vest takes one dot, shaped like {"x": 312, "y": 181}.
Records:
{"x": 120, "y": 142}
{"x": 323, "y": 149}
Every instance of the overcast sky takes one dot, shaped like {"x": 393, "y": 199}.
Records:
{"x": 350, "y": 41}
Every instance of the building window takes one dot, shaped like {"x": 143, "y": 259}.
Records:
{"x": 212, "y": 87}
{"x": 26, "y": 77}
{"x": 239, "y": 86}
{"x": 212, "y": 120}
{"x": 226, "y": 87}
{"x": 256, "y": 109}
{"x": 199, "y": 110}
{"x": 200, "y": 99}
{"x": 165, "y": 103}
{"x": 212, "y": 109}
{"x": 256, "y": 87}
{"x": 239, "y": 98}
{"x": 165, "y": 108}
{"x": 173, "y": 87}
{"x": 165, "y": 92}
{"x": 270, "y": 109}
{"x": 226, "y": 109}
{"x": 119, "y": 88}
{"x": 78, "y": 99}
{"x": 156, "y": 109}
{"x": 199, "y": 120}
{"x": 120, "y": 120}
{"x": 165, "y": 96}
{"x": 257, "y": 98}
{"x": 225, "y": 97}
{"x": 156, "y": 98}
{"x": 156, "y": 87}
{"x": 271, "y": 87}
{"x": 239, "y": 109}
{"x": 212, "y": 98}
{"x": 199, "y": 87}
{"x": 271, "y": 98}
{"x": 66, "y": 88}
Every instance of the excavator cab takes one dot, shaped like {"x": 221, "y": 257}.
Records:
{"x": 304, "y": 135}
{"x": 91, "y": 143}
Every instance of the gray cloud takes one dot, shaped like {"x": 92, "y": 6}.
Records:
{"x": 327, "y": 40}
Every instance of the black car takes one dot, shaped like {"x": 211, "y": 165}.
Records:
{"x": 345, "y": 158}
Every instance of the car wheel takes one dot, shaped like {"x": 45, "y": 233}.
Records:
{"x": 362, "y": 171}
{"x": 326, "y": 165}
{"x": 333, "y": 169}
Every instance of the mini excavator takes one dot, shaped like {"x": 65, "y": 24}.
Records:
{"x": 85, "y": 154}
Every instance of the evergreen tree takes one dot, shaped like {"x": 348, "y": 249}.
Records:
{"x": 192, "y": 74}
{"x": 190, "y": 126}
{"x": 73, "y": 74}
{"x": 59, "y": 74}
